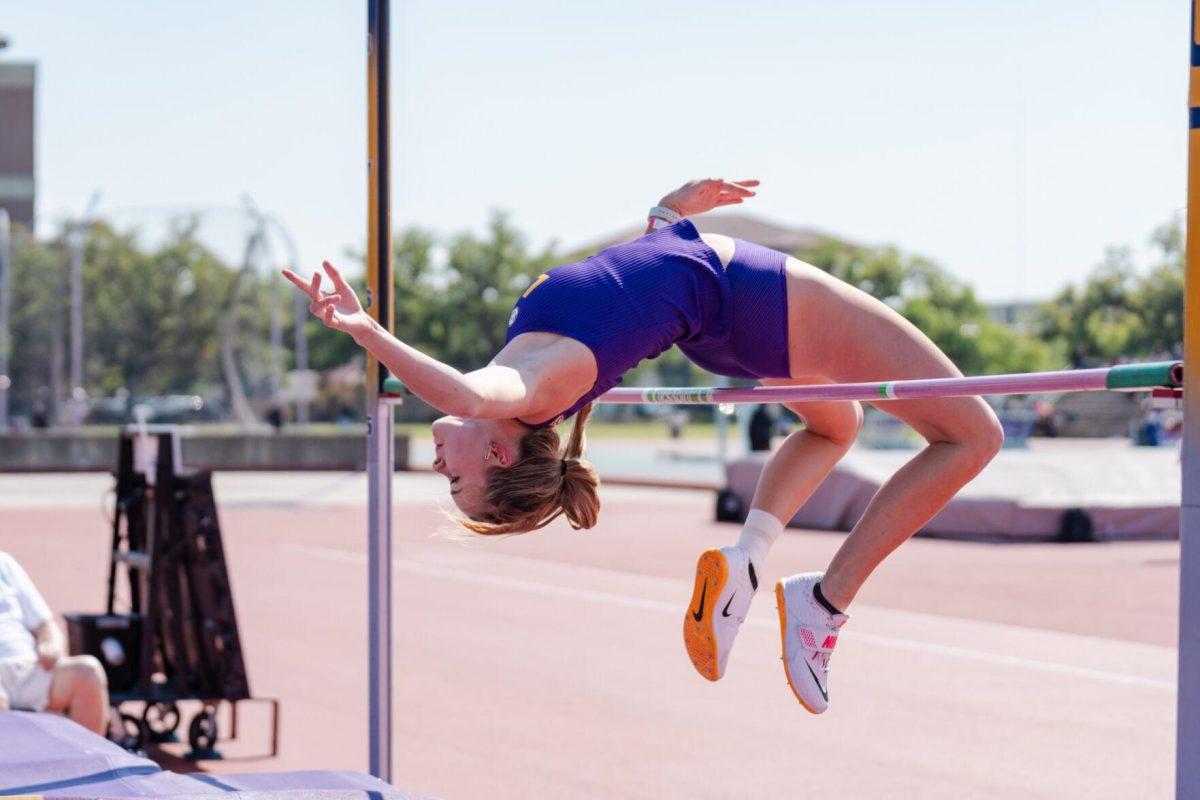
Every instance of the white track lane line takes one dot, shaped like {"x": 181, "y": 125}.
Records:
{"x": 608, "y": 598}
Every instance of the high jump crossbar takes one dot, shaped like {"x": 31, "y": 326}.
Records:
{"x": 1121, "y": 377}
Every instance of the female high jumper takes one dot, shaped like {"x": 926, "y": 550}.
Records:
{"x": 736, "y": 309}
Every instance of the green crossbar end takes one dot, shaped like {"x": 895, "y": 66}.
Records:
{"x": 394, "y": 386}
{"x": 1146, "y": 376}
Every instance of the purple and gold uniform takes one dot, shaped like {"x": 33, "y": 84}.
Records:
{"x": 633, "y": 301}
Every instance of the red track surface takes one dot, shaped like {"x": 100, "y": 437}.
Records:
{"x": 552, "y": 665}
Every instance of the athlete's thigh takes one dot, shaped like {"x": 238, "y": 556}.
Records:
{"x": 844, "y": 333}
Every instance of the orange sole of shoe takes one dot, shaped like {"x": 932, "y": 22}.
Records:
{"x": 783, "y": 645}
{"x": 698, "y": 635}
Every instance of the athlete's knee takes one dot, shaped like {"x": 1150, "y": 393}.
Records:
{"x": 839, "y": 425}
{"x": 984, "y": 436}
{"x": 971, "y": 426}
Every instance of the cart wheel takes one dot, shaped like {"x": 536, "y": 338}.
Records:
{"x": 131, "y": 734}
{"x": 161, "y": 720}
{"x": 202, "y": 734}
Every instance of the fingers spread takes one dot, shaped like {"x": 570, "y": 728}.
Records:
{"x": 334, "y": 276}
{"x": 298, "y": 282}
{"x": 325, "y": 303}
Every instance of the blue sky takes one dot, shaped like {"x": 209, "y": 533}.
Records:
{"x": 1010, "y": 141}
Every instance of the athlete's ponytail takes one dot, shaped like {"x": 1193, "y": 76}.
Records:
{"x": 541, "y": 485}
{"x": 578, "y": 497}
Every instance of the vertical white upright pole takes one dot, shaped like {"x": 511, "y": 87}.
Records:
{"x": 380, "y": 428}
{"x": 1187, "y": 743}
{"x": 78, "y": 242}
{"x": 380, "y": 462}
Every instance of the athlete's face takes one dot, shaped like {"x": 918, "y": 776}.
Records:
{"x": 465, "y": 450}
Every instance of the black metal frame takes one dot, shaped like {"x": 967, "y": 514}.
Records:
{"x": 166, "y": 536}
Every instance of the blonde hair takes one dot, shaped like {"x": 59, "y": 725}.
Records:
{"x": 542, "y": 485}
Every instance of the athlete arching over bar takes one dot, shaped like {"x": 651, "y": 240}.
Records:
{"x": 735, "y": 309}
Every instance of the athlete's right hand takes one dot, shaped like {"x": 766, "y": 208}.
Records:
{"x": 696, "y": 197}
{"x": 338, "y": 309}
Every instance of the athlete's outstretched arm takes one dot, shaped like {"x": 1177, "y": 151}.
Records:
{"x": 496, "y": 392}
{"x": 705, "y": 194}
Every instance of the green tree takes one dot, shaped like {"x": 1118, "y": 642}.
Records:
{"x": 1118, "y": 312}
{"x": 38, "y": 286}
{"x": 456, "y": 308}
{"x": 944, "y": 308}
{"x": 1160, "y": 295}
{"x": 152, "y": 316}
{"x": 880, "y": 272}
{"x": 949, "y": 313}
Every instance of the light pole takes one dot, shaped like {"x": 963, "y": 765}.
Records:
{"x": 275, "y": 319}
{"x": 78, "y": 241}
{"x": 300, "y": 314}
{"x": 5, "y": 303}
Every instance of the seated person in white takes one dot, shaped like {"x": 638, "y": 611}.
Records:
{"x": 35, "y": 675}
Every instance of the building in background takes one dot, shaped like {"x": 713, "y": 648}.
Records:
{"x": 17, "y": 184}
{"x": 1022, "y": 316}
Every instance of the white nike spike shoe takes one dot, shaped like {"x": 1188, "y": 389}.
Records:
{"x": 725, "y": 585}
{"x": 809, "y": 633}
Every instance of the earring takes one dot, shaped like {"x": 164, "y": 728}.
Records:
{"x": 488, "y": 453}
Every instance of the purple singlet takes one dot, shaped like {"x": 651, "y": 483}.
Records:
{"x": 634, "y": 300}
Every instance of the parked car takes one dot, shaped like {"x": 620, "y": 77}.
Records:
{"x": 181, "y": 408}
{"x": 107, "y": 411}
{"x": 171, "y": 408}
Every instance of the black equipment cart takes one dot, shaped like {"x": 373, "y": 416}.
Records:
{"x": 178, "y": 640}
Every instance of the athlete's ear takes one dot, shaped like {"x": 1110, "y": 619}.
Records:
{"x": 499, "y": 454}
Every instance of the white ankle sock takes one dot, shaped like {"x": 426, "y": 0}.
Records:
{"x": 760, "y": 532}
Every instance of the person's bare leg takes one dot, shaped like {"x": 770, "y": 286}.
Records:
{"x": 79, "y": 690}
{"x": 726, "y": 578}
{"x": 909, "y": 499}
{"x": 839, "y": 331}
{"x": 806, "y": 457}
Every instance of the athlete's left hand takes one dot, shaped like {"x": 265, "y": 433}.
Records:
{"x": 696, "y": 197}
{"x": 339, "y": 309}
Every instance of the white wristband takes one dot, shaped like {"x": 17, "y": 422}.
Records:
{"x": 668, "y": 215}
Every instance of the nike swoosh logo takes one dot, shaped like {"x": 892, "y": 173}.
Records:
{"x": 725, "y": 611}
{"x": 824, "y": 694}
{"x": 698, "y": 614}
